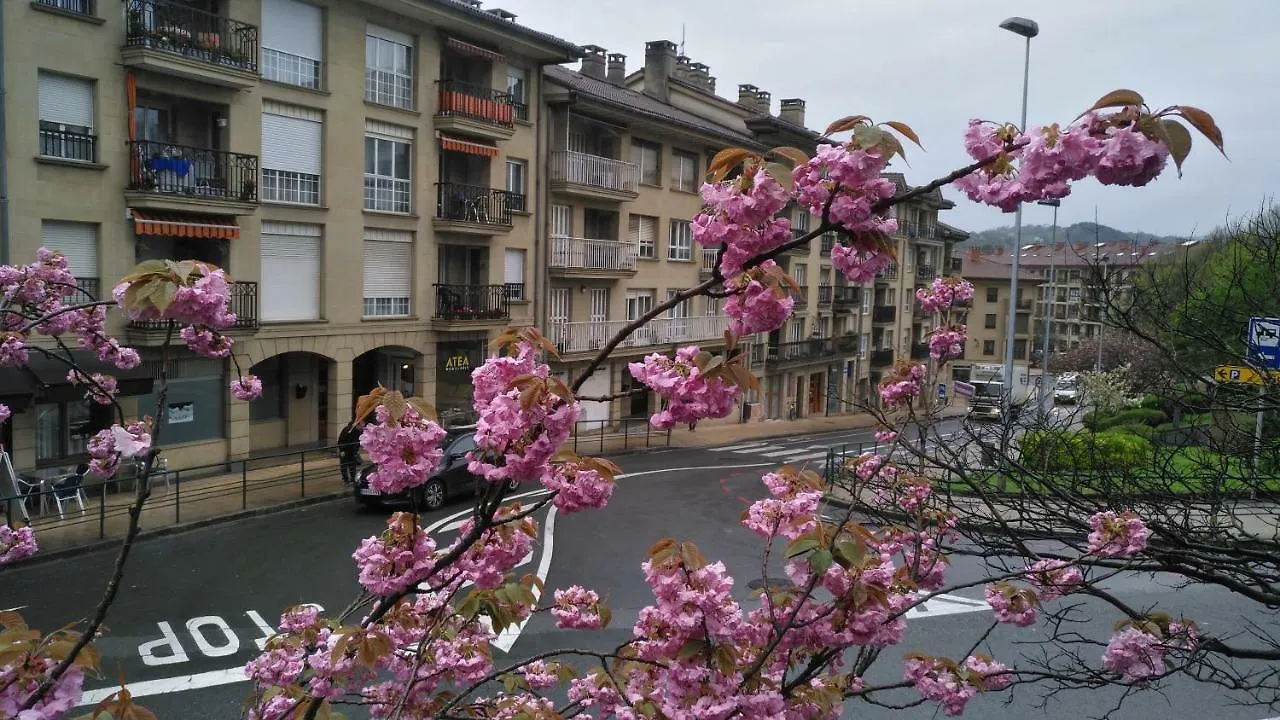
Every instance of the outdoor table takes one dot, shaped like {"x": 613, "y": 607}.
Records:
{"x": 45, "y": 480}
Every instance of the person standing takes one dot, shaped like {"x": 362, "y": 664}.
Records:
{"x": 349, "y": 451}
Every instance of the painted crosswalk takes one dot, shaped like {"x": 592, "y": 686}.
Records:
{"x": 802, "y": 451}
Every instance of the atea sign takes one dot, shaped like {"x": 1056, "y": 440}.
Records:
{"x": 458, "y": 362}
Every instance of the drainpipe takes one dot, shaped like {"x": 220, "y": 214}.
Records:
{"x": 4, "y": 154}
{"x": 541, "y": 229}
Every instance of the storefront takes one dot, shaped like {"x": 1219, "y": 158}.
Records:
{"x": 454, "y": 362}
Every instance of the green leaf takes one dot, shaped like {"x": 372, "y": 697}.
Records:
{"x": 866, "y": 136}
{"x": 820, "y": 561}
{"x": 1118, "y": 98}
{"x": 852, "y": 550}
{"x": 1178, "y": 139}
{"x": 801, "y": 545}
{"x": 691, "y": 649}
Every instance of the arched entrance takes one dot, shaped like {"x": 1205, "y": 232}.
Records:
{"x": 293, "y": 410}
{"x": 395, "y": 367}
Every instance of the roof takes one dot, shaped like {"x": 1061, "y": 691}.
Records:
{"x": 636, "y": 102}
{"x": 570, "y": 50}
{"x": 1076, "y": 255}
{"x": 989, "y": 269}
{"x": 953, "y": 230}
{"x": 933, "y": 197}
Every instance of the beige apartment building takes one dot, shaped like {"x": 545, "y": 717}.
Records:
{"x": 988, "y": 314}
{"x": 365, "y": 170}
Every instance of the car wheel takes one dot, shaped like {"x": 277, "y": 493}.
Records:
{"x": 431, "y": 495}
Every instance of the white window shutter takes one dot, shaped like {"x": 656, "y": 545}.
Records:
{"x": 389, "y": 35}
{"x": 291, "y": 262}
{"x": 388, "y": 264}
{"x": 293, "y": 27}
{"x": 75, "y": 240}
{"x": 514, "y": 268}
{"x": 291, "y": 144}
{"x": 65, "y": 100}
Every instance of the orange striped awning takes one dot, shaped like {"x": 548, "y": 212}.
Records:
{"x": 470, "y": 148}
{"x": 185, "y": 225}
{"x": 467, "y": 48}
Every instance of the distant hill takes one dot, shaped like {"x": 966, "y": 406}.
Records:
{"x": 1082, "y": 232}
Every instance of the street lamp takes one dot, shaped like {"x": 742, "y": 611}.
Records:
{"x": 1048, "y": 317}
{"x": 1101, "y": 271}
{"x": 1027, "y": 29}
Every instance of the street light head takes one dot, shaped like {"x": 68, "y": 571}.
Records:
{"x": 1029, "y": 247}
{"x": 1189, "y": 243}
{"x": 1050, "y": 203}
{"x": 1021, "y": 26}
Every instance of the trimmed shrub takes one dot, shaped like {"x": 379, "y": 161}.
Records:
{"x": 1061, "y": 450}
{"x": 1151, "y": 402}
{"x": 1142, "y": 431}
{"x": 1133, "y": 416}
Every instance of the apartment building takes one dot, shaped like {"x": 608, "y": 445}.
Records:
{"x": 988, "y": 314}
{"x": 363, "y": 169}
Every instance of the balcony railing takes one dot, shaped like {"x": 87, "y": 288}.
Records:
{"x": 460, "y": 99}
{"x": 1025, "y": 303}
{"x": 824, "y": 294}
{"x": 828, "y": 242}
{"x": 573, "y": 337}
{"x": 68, "y": 144}
{"x": 846, "y": 296}
{"x": 89, "y": 288}
{"x": 881, "y": 358}
{"x": 919, "y": 351}
{"x": 472, "y": 302}
{"x": 244, "y": 303}
{"x": 890, "y": 272}
{"x": 75, "y": 7}
{"x": 708, "y": 265}
{"x": 926, "y": 272}
{"x": 801, "y": 297}
{"x": 813, "y": 348}
{"x": 193, "y": 33}
{"x": 589, "y": 254}
{"x": 916, "y": 230}
{"x": 476, "y": 203}
{"x": 954, "y": 265}
{"x": 884, "y": 314}
{"x": 157, "y": 167}
{"x": 594, "y": 171}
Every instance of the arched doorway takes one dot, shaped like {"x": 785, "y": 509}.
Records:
{"x": 293, "y": 410}
{"x": 393, "y": 366}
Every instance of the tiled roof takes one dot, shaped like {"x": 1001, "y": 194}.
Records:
{"x": 953, "y": 229}
{"x": 988, "y": 268}
{"x": 571, "y": 50}
{"x": 1075, "y": 255}
{"x": 637, "y": 102}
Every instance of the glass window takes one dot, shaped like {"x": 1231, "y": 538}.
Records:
{"x": 988, "y": 347}
{"x": 388, "y": 72}
{"x": 63, "y": 430}
{"x": 387, "y": 185}
{"x": 464, "y": 444}
{"x": 516, "y": 171}
{"x": 989, "y": 322}
{"x": 647, "y": 157}
{"x": 517, "y": 88}
{"x": 195, "y": 404}
{"x": 66, "y": 117}
{"x": 993, "y": 294}
{"x": 680, "y": 245}
{"x": 644, "y": 230}
{"x": 684, "y": 171}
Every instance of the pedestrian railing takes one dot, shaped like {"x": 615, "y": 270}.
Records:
{"x": 628, "y": 433}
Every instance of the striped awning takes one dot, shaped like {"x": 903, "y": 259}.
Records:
{"x": 467, "y": 48}
{"x": 185, "y": 225}
{"x": 465, "y": 146}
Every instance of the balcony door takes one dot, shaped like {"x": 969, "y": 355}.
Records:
{"x": 463, "y": 265}
{"x": 640, "y": 302}
{"x": 464, "y": 168}
{"x": 599, "y": 328}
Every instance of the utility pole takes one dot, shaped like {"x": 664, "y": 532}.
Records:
{"x": 1097, "y": 267}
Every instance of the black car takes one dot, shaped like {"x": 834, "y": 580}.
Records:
{"x": 451, "y": 479}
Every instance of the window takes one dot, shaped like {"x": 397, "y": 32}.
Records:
{"x": 387, "y": 161}
{"x": 517, "y": 84}
{"x": 680, "y": 244}
{"x": 388, "y": 273}
{"x": 684, "y": 171}
{"x": 712, "y": 306}
{"x": 388, "y": 67}
{"x": 291, "y": 260}
{"x": 801, "y": 274}
{"x": 63, "y": 430}
{"x": 647, "y": 157}
{"x": 78, "y": 242}
{"x": 292, "y": 147}
{"x": 993, "y": 294}
{"x": 195, "y": 399}
{"x": 800, "y": 221}
{"x": 795, "y": 331}
{"x": 66, "y": 117}
{"x": 988, "y": 347}
{"x": 680, "y": 309}
{"x": 513, "y": 273}
{"x": 644, "y": 230}
{"x": 292, "y": 43}
{"x": 517, "y": 171}
{"x": 79, "y": 7}
{"x": 866, "y": 301}
{"x": 863, "y": 341}
{"x": 824, "y": 326}
{"x": 562, "y": 221}
{"x": 558, "y": 306}
{"x": 639, "y": 302}
{"x": 989, "y": 322}
{"x": 1020, "y": 349}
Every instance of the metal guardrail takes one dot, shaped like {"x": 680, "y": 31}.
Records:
{"x": 169, "y": 169}
{"x": 192, "y": 32}
{"x": 603, "y": 436}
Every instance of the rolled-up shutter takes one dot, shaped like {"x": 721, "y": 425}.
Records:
{"x": 293, "y": 27}
{"x": 291, "y": 139}
{"x": 75, "y": 240}
{"x": 66, "y": 100}
{"x": 388, "y": 264}
{"x": 291, "y": 260}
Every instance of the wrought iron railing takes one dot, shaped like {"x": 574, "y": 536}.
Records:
{"x": 197, "y": 172}
{"x": 75, "y": 7}
{"x": 244, "y": 303}
{"x": 191, "y": 32}
{"x": 926, "y": 272}
{"x": 571, "y": 337}
{"x": 799, "y": 350}
{"x": 476, "y": 203}
{"x": 477, "y": 102}
{"x": 846, "y": 296}
{"x": 884, "y": 314}
{"x": 890, "y": 272}
{"x": 472, "y": 302}
{"x": 594, "y": 171}
{"x": 880, "y": 358}
{"x": 824, "y": 294}
{"x": 68, "y": 145}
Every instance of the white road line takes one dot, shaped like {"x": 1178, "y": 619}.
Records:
{"x": 804, "y": 456}
{"x": 738, "y": 447}
{"x": 793, "y": 450}
{"x": 182, "y": 683}
{"x": 508, "y": 637}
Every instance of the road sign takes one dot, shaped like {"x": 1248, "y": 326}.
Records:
{"x": 964, "y": 389}
{"x": 1238, "y": 374}
{"x": 942, "y": 391}
{"x": 1264, "y": 341}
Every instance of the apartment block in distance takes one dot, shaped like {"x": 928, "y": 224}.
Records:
{"x": 362, "y": 169}
{"x": 987, "y": 317}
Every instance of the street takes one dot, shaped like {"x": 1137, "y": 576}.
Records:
{"x": 195, "y": 606}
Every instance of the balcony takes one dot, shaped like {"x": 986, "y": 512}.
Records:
{"x": 475, "y": 209}
{"x": 881, "y": 358}
{"x": 890, "y": 272}
{"x": 801, "y": 351}
{"x": 846, "y": 297}
{"x": 584, "y": 337}
{"x": 954, "y": 265}
{"x": 917, "y": 231}
{"x": 920, "y": 351}
{"x": 244, "y": 303}
{"x": 181, "y": 41}
{"x": 475, "y": 110}
{"x": 64, "y": 144}
{"x": 884, "y": 314}
{"x": 177, "y": 177}
{"x": 708, "y": 265}
{"x": 801, "y": 296}
{"x": 926, "y": 273}
{"x": 1025, "y": 303}
{"x": 824, "y": 295}
{"x": 593, "y": 177}
{"x": 828, "y": 242}
{"x": 473, "y": 305}
{"x": 588, "y": 258}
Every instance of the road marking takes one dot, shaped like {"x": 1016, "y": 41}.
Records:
{"x": 939, "y": 605}
{"x": 181, "y": 683}
{"x": 802, "y": 455}
{"x": 793, "y": 450}
{"x": 738, "y": 447}
{"x": 508, "y": 636}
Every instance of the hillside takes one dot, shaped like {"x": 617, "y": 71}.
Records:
{"x": 1003, "y": 237}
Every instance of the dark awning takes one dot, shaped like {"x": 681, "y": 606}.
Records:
{"x": 45, "y": 380}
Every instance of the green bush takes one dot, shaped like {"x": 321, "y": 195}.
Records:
{"x": 1120, "y": 450}
{"x": 1151, "y": 402}
{"x": 1060, "y": 450}
{"x": 1132, "y": 416}
{"x": 1142, "y": 431}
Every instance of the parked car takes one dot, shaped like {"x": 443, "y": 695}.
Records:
{"x": 1067, "y": 391}
{"x": 451, "y": 479}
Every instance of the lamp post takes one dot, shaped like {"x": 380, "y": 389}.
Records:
{"x": 1027, "y": 29}
{"x": 1048, "y": 316}
{"x": 1101, "y": 270}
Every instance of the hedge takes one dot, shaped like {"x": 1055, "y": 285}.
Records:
{"x": 1056, "y": 450}
{"x": 1132, "y": 416}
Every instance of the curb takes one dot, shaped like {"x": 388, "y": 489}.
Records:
{"x": 107, "y": 543}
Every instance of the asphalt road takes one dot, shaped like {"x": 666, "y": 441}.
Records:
{"x": 194, "y": 606}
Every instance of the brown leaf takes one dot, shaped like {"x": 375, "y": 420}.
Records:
{"x": 781, "y": 173}
{"x": 137, "y": 712}
{"x": 845, "y": 124}
{"x": 396, "y": 405}
{"x": 890, "y": 146}
{"x": 12, "y": 620}
{"x": 1203, "y": 122}
{"x": 1178, "y": 139}
{"x": 726, "y": 160}
{"x": 1118, "y": 98}
{"x": 905, "y": 131}
{"x": 795, "y": 155}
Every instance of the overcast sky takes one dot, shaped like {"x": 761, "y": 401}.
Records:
{"x": 936, "y": 63}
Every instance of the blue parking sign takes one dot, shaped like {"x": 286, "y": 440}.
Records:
{"x": 1264, "y": 341}
{"x": 942, "y": 391}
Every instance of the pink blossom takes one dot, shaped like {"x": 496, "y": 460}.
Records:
{"x": 947, "y": 342}
{"x": 755, "y": 307}
{"x": 577, "y": 608}
{"x": 18, "y": 682}
{"x": 1128, "y": 157}
{"x": 577, "y": 486}
{"x": 1016, "y": 607}
{"x": 690, "y": 394}
{"x": 5, "y": 413}
{"x": 206, "y": 342}
{"x": 101, "y": 388}
{"x": 17, "y": 544}
{"x": 201, "y": 298}
{"x": 1134, "y": 655}
{"x": 902, "y": 386}
{"x": 943, "y": 293}
{"x": 404, "y": 452}
{"x": 402, "y": 556}
{"x": 854, "y": 175}
{"x": 739, "y": 219}
{"x": 1052, "y": 579}
{"x": 935, "y": 680}
{"x": 860, "y": 259}
{"x": 499, "y": 549}
{"x": 1117, "y": 535}
{"x": 539, "y": 674}
{"x": 108, "y": 446}
{"x": 788, "y": 517}
{"x": 247, "y": 387}
{"x": 13, "y": 351}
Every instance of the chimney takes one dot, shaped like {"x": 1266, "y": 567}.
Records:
{"x": 699, "y": 74}
{"x": 792, "y": 111}
{"x": 974, "y": 253}
{"x": 763, "y": 102}
{"x": 711, "y": 84}
{"x": 504, "y": 14}
{"x": 682, "y": 68}
{"x": 617, "y": 68}
{"x": 472, "y": 3}
{"x": 747, "y": 95}
{"x": 659, "y": 65}
{"x": 593, "y": 62}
